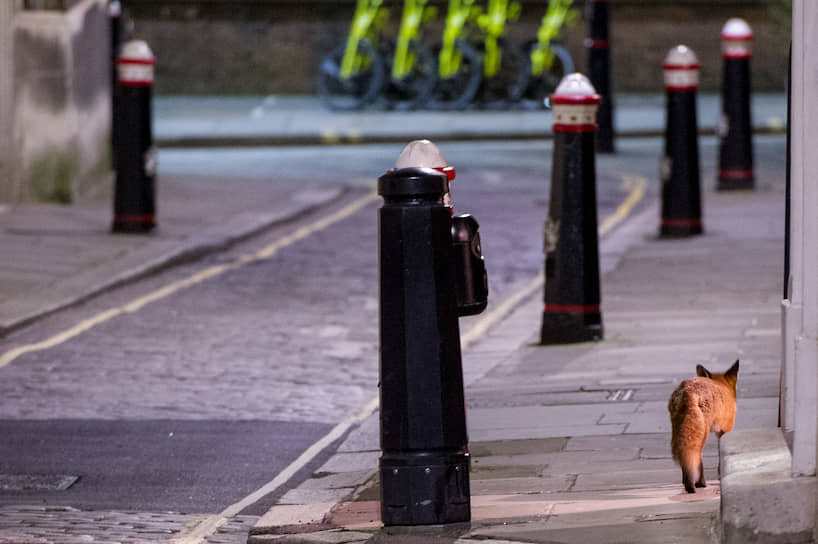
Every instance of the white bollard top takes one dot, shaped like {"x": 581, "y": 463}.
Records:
{"x": 424, "y": 154}
{"x": 115, "y": 9}
{"x": 681, "y": 56}
{"x": 575, "y": 103}
{"x": 135, "y": 64}
{"x": 681, "y": 69}
{"x": 575, "y": 89}
{"x": 136, "y": 51}
{"x": 736, "y": 39}
{"x": 421, "y": 154}
{"x": 736, "y": 29}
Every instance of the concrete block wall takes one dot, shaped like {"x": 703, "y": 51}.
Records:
{"x": 62, "y": 103}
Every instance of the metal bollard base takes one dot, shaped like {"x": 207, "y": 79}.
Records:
{"x": 425, "y": 488}
{"x": 570, "y": 328}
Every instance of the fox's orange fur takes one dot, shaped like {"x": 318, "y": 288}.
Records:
{"x": 700, "y": 405}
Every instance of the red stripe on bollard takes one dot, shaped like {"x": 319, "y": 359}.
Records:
{"x": 735, "y": 174}
{"x": 575, "y": 99}
{"x": 124, "y": 60}
{"x": 598, "y": 44}
{"x": 691, "y": 66}
{"x": 136, "y": 83}
{"x": 574, "y": 128}
{"x": 737, "y": 55}
{"x": 681, "y": 222}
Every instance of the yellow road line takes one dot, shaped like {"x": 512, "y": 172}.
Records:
{"x": 210, "y": 272}
{"x": 636, "y": 187}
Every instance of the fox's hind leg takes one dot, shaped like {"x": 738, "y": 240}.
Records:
{"x": 701, "y": 482}
{"x": 688, "y": 482}
{"x": 692, "y": 469}
{"x": 688, "y": 476}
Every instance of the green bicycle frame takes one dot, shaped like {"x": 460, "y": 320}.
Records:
{"x": 368, "y": 18}
{"x": 493, "y": 24}
{"x": 414, "y": 14}
{"x": 558, "y": 13}
{"x": 460, "y": 11}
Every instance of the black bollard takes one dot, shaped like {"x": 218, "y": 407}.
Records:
{"x": 681, "y": 198}
{"x": 571, "y": 242}
{"x": 599, "y": 71}
{"x": 424, "y": 466}
{"x": 735, "y": 126}
{"x": 116, "y": 16}
{"x": 134, "y": 201}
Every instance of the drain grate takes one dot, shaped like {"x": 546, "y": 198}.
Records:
{"x": 36, "y": 482}
{"x": 620, "y": 395}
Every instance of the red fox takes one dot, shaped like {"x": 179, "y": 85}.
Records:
{"x": 700, "y": 405}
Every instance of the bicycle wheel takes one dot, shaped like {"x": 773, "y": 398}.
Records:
{"x": 412, "y": 90}
{"x": 509, "y": 84}
{"x": 354, "y": 92}
{"x": 458, "y": 91}
{"x": 543, "y": 86}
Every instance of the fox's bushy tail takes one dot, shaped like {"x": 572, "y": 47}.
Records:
{"x": 687, "y": 442}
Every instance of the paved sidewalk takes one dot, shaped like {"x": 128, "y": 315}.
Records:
{"x": 301, "y": 120}
{"x": 572, "y": 443}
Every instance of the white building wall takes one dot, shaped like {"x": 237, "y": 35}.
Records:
{"x": 801, "y": 318}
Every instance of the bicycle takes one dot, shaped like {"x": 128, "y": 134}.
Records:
{"x": 411, "y": 67}
{"x": 352, "y": 76}
{"x": 505, "y": 67}
{"x": 550, "y": 61}
{"x": 476, "y": 60}
{"x": 459, "y": 67}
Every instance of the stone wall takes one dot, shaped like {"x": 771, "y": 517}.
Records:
{"x": 274, "y": 46}
{"x": 62, "y": 102}
{"x": 8, "y": 182}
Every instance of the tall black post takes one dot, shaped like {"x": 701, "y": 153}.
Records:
{"x": 735, "y": 126}
{"x": 424, "y": 466}
{"x": 571, "y": 241}
{"x": 116, "y": 17}
{"x": 599, "y": 71}
{"x": 134, "y": 199}
{"x": 788, "y": 182}
{"x": 681, "y": 198}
